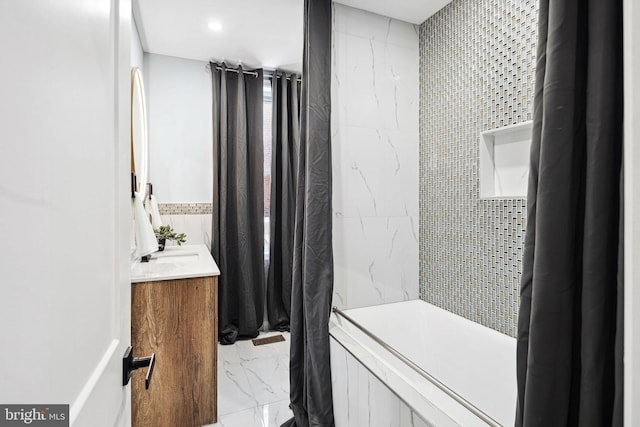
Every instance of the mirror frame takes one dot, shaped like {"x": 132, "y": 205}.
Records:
{"x": 141, "y": 147}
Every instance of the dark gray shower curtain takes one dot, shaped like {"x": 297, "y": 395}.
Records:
{"x": 237, "y": 238}
{"x": 569, "y": 357}
{"x": 284, "y": 167}
{"x": 310, "y": 370}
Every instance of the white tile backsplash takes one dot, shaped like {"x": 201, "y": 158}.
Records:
{"x": 196, "y": 227}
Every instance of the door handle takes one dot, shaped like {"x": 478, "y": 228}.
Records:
{"x": 130, "y": 364}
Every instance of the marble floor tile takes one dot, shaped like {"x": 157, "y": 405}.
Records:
{"x": 253, "y": 383}
{"x": 228, "y": 354}
{"x": 247, "y": 351}
{"x": 271, "y": 415}
{"x": 234, "y": 391}
{"x": 274, "y": 414}
{"x": 247, "y": 418}
{"x": 269, "y": 378}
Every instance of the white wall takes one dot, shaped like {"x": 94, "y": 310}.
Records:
{"x": 180, "y": 139}
{"x": 137, "y": 53}
{"x": 632, "y": 214}
{"x": 180, "y": 129}
{"x": 375, "y": 98}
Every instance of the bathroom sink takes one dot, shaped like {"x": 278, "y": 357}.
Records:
{"x": 175, "y": 262}
{"x": 178, "y": 258}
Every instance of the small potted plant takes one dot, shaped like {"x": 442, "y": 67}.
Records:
{"x": 165, "y": 232}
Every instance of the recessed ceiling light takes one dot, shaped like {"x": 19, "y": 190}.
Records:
{"x": 215, "y": 26}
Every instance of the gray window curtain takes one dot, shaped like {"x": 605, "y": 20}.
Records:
{"x": 570, "y": 328}
{"x": 284, "y": 167}
{"x": 238, "y": 201}
{"x": 310, "y": 369}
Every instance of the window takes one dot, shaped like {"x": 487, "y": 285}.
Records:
{"x": 267, "y": 140}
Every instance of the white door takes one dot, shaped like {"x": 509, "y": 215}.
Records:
{"x": 64, "y": 206}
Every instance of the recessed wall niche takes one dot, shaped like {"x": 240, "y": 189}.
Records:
{"x": 504, "y": 161}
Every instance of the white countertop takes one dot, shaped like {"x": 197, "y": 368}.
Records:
{"x": 176, "y": 262}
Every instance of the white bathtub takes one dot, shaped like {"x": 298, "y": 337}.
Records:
{"x": 476, "y": 362}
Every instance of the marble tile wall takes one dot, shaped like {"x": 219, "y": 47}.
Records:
{"x": 477, "y": 65}
{"x": 375, "y": 147}
{"x": 362, "y": 400}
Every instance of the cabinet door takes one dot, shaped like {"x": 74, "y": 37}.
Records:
{"x": 176, "y": 320}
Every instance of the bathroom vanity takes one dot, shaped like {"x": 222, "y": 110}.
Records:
{"x": 174, "y": 305}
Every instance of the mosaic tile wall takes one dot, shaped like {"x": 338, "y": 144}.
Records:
{"x": 477, "y": 68}
{"x": 185, "y": 208}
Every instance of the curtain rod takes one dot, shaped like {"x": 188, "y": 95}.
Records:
{"x": 253, "y": 73}
{"x": 288, "y": 77}
{"x": 233, "y": 70}
{"x": 279, "y": 74}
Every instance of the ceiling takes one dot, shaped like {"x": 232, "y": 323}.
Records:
{"x": 413, "y": 11}
{"x": 256, "y": 33}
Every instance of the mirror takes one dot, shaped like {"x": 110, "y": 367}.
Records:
{"x": 139, "y": 143}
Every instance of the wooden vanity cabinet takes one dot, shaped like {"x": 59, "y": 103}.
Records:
{"x": 177, "y": 320}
